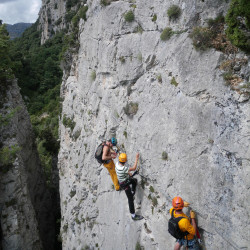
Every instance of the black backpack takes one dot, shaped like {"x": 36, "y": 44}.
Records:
{"x": 98, "y": 153}
{"x": 173, "y": 227}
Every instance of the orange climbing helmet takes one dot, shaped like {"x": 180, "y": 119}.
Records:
{"x": 122, "y": 157}
{"x": 178, "y": 203}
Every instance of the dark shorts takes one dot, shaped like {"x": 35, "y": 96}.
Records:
{"x": 191, "y": 244}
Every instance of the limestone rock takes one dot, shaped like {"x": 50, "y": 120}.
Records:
{"x": 190, "y": 114}
{"x": 25, "y": 204}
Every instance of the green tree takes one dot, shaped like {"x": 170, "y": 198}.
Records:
{"x": 238, "y": 22}
{"x": 5, "y": 62}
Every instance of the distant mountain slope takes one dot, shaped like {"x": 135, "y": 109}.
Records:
{"x": 17, "y": 29}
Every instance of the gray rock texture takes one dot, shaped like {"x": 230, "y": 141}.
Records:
{"x": 25, "y": 204}
{"x": 167, "y": 101}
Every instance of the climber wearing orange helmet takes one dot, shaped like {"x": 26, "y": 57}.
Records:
{"x": 125, "y": 180}
{"x": 186, "y": 230}
{"x": 108, "y": 155}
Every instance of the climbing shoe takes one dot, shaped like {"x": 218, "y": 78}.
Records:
{"x": 137, "y": 217}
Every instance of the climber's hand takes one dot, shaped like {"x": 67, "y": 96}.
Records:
{"x": 137, "y": 156}
{"x": 192, "y": 214}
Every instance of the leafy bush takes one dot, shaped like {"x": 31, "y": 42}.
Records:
{"x": 129, "y": 16}
{"x": 77, "y": 134}
{"x": 212, "y": 36}
{"x": 68, "y": 122}
{"x": 174, "y": 82}
{"x": 125, "y": 134}
{"x": 5, "y": 119}
{"x": 82, "y": 12}
{"x": 93, "y": 75}
{"x": 138, "y": 246}
{"x": 238, "y": 22}
{"x": 154, "y": 201}
{"x": 7, "y": 157}
{"x": 139, "y": 57}
{"x": 139, "y": 29}
{"x": 75, "y": 20}
{"x": 69, "y": 15}
{"x": 214, "y": 23}
{"x": 166, "y": 34}
{"x": 174, "y": 12}
{"x": 72, "y": 193}
{"x": 70, "y": 4}
{"x": 164, "y": 156}
{"x": 105, "y": 2}
{"x": 154, "y": 18}
{"x": 201, "y": 38}
{"x": 131, "y": 109}
{"x": 159, "y": 78}
{"x": 122, "y": 59}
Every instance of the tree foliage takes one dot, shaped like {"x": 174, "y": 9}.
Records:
{"x": 238, "y": 22}
{"x": 37, "y": 68}
{"x": 5, "y": 62}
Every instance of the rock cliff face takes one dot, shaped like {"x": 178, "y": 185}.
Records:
{"x": 25, "y": 205}
{"x": 169, "y": 102}
{"x": 51, "y": 18}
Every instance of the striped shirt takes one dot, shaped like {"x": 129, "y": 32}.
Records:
{"x": 121, "y": 172}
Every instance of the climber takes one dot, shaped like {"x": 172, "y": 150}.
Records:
{"x": 187, "y": 229}
{"x": 125, "y": 180}
{"x": 107, "y": 156}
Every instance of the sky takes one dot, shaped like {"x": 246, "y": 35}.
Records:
{"x": 17, "y": 11}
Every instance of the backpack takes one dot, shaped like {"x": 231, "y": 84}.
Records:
{"x": 98, "y": 153}
{"x": 173, "y": 227}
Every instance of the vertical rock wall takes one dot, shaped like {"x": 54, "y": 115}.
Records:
{"x": 170, "y": 103}
{"x": 25, "y": 204}
{"x": 51, "y": 18}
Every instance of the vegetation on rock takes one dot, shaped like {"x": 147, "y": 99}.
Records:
{"x": 131, "y": 108}
{"x": 39, "y": 76}
{"x": 173, "y": 12}
{"x": 212, "y": 36}
{"x": 5, "y": 61}
{"x": 7, "y": 157}
{"x": 174, "y": 82}
{"x": 166, "y": 34}
{"x": 129, "y": 16}
{"x": 238, "y": 24}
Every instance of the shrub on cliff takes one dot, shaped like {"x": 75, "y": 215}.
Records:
{"x": 238, "y": 22}
{"x": 68, "y": 122}
{"x": 105, "y": 2}
{"x": 69, "y": 15}
{"x": 166, "y": 34}
{"x": 212, "y": 36}
{"x": 131, "y": 108}
{"x": 174, "y": 12}
{"x": 82, "y": 12}
{"x": 70, "y": 4}
{"x": 201, "y": 37}
{"x": 129, "y": 16}
{"x": 7, "y": 157}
